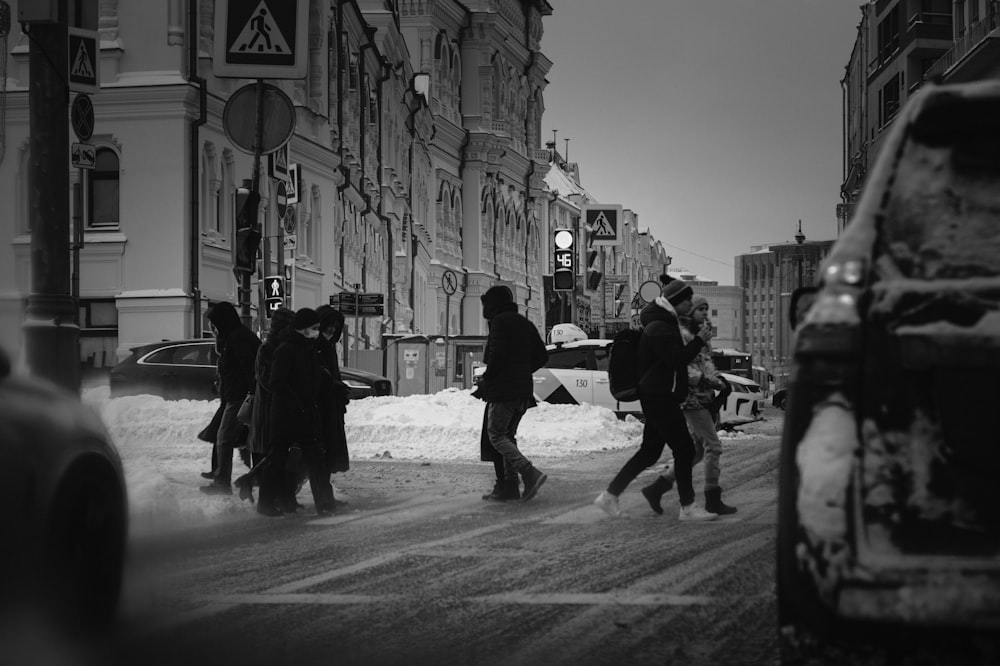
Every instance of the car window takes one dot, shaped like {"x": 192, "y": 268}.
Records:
{"x": 567, "y": 359}
{"x": 181, "y": 355}
{"x": 601, "y": 357}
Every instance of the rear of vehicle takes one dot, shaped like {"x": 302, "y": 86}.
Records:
{"x": 173, "y": 370}
{"x": 889, "y": 506}
{"x": 363, "y": 384}
{"x": 743, "y": 403}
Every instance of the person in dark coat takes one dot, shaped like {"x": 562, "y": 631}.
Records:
{"x": 295, "y": 419}
{"x": 662, "y": 388}
{"x": 334, "y": 394}
{"x": 514, "y": 350}
{"x": 237, "y": 347}
{"x": 261, "y": 437}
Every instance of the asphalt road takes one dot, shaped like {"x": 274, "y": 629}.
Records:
{"x": 418, "y": 569}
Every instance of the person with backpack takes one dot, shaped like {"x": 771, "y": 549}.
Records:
{"x": 662, "y": 359}
{"x": 514, "y": 350}
{"x": 703, "y": 381}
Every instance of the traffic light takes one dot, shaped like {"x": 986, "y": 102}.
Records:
{"x": 247, "y": 236}
{"x": 564, "y": 260}
{"x": 619, "y": 302}
{"x": 593, "y": 275}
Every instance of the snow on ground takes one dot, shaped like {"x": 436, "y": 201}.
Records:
{"x": 163, "y": 457}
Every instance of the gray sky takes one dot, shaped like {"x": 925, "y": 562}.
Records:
{"x": 717, "y": 121}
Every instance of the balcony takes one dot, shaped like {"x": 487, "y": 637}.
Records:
{"x": 982, "y": 34}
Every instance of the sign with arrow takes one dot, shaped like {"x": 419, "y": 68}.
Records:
{"x": 83, "y": 156}
{"x": 261, "y": 39}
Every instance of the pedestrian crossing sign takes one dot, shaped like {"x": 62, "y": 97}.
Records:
{"x": 261, "y": 39}
{"x": 82, "y": 67}
{"x": 604, "y": 224}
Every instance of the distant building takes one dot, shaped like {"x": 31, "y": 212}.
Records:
{"x": 768, "y": 274}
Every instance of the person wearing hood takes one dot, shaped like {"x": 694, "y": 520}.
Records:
{"x": 662, "y": 389}
{"x": 334, "y": 394}
{"x": 514, "y": 350}
{"x": 237, "y": 346}
{"x": 295, "y": 418}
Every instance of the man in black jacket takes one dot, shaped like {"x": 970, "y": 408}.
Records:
{"x": 237, "y": 347}
{"x": 662, "y": 388}
{"x": 514, "y": 350}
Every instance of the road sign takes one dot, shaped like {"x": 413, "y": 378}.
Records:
{"x": 83, "y": 69}
{"x": 83, "y": 156}
{"x": 280, "y": 199}
{"x": 274, "y": 293}
{"x": 82, "y": 116}
{"x": 449, "y": 282}
{"x": 289, "y": 220}
{"x": 294, "y": 183}
{"x": 648, "y": 291}
{"x": 604, "y": 222}
{"x": 290, "y": 241}
{"x": 261, "y": 39}
{"x": 361, "y": 305}
{"x": 239, "y": 118}
{"x": 277, "y": 163}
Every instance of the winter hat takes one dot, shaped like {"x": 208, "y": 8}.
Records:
{"x": 304, "y": 318}
{"x": 329, "y": 316}
{"x": 698, "y": 301}
{"x": 675, "y": 291}
{"x": 281, "y": 318}
{"x": 495, "y": 299}
{"x": 225, "y": 317}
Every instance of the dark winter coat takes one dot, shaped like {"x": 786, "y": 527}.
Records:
{"x": 333, "y": 399}
{"x": 294, "y": 385}
{"x": 237, "y": 347}
{"x": 261, "y": 431}
{"x": 664, "y": 353}
{"x": 514, "y": 350}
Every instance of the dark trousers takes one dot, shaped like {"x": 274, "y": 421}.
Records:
{"x": 319, "y": 476}
{"x": 230, "y": 437}
{"x": 502, "y": 419}
{"x": 665, "y": 425}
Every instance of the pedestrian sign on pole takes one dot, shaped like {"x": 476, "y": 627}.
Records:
{"x": 83, "y": 69}
{"x": 604, "y": 222}
{"x": 274, "y": 293}
{"x": 261, "y": 39}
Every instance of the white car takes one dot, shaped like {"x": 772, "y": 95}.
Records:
{"x": 577, "y": 372}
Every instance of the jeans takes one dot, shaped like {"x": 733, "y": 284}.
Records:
{"x": 230, "y": 437}
{"x": 665, "y": 425}
{"x": 707, "y": 446}
{"x": 502, "y": 419}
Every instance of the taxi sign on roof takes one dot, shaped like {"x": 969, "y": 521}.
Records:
{"x": 562, "y": 333}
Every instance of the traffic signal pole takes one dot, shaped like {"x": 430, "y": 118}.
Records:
{"x": 51, "y": 334}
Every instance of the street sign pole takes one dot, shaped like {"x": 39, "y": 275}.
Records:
{"x": 357, "y": 313}
{"x": 603, "y": 297}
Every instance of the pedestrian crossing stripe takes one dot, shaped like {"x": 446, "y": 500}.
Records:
{"x": 81, "y": 64}
{"x": 261, "y": 35}
{"x": 602, "y": 226}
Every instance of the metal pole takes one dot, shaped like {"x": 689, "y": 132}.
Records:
{"x": 51, "y": 335}
{"x": 77, "y": 243}
{"x": 357, "y": 299}
{"x": 245, "y": 313}
{"x": 603, "y": 296}
{"x": 447, "y": 318}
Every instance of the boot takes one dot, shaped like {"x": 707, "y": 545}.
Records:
{"x": 714, "y": 503}
{"x": 495, "y": 493}
{"x": 505, "y": 491}
{"x": 245, "y": 485}
{"x": 533, "y": 480}
{"x": 654, "y": 491}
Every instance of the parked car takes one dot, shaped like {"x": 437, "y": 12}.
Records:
{"x": 780, "y": 398}
{"x": 185, "y": 369}
{"x": 577, "y": 372}
{"x": 65, "y": 513}
{"x": 889, "y": 506}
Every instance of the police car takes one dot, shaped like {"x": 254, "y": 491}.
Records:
{"x": 577, "y": 372}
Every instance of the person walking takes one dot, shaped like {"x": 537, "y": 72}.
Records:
{"x": 237, "y": 346}
{"x": 703, "y": 380}
{"x": 662, "y": 388}
{"x": 514, "y": 350}
{"x": 334, "y": 395}
{"x": 295, "y": 419}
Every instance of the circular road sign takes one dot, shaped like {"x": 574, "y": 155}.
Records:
{"x": 290, "y": 221}
{"x": 649, "y": 290}
{"x": 82, "y": 116}
{"x": 281, "y": 199}
{"x": 449, "y": 282}
{"x": 239, "y": 118}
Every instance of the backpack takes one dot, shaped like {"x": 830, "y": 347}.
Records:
{"x": 623, "y": 365}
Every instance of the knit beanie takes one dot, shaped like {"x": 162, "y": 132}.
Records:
{"x": 676, "y": 291}
{"x": 698, "y": 301}
{"x": 304, "y": 318}
{"x": 281, "y": 318}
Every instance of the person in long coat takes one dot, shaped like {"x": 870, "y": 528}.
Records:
{"x": 334, "y": 394}
{"x": 295, "y": 420}
{"x": 261, "y": 437}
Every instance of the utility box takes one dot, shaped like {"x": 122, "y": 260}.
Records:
{"x": 419, "y": 364}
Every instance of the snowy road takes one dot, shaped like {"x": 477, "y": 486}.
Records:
{"x": 417, "y": 569}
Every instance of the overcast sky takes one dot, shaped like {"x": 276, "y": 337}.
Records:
{"x": 717, "y": 121}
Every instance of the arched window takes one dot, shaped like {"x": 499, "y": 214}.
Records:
{"x": 103, "y": 190}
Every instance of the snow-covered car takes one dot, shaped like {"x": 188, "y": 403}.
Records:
{"x": 889, "y": 505}
{"x": 185, "y": 369}
{"x": 576, "y": 372}
{"x": 65, "y": 513}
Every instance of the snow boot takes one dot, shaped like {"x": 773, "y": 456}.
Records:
{"x": 714, "y": 503}
{"x": 533, "y": 480}
{"x": 654, "y": 491}
{"x": 505, "y": 491}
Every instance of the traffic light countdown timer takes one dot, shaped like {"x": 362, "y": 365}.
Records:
{"x": 564, "y": 260}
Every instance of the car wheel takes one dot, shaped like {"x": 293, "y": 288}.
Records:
{"x": 781, "y": 403}
{"x": 85, "y": 546}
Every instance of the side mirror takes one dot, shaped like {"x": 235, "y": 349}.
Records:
{"x": 799, "y": 304}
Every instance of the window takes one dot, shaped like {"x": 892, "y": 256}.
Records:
{"x": 888, "y": 35}
{"x": 103, "y": 190}
{"x": 602, "y": 357}
{"x": 567, "y": 359}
